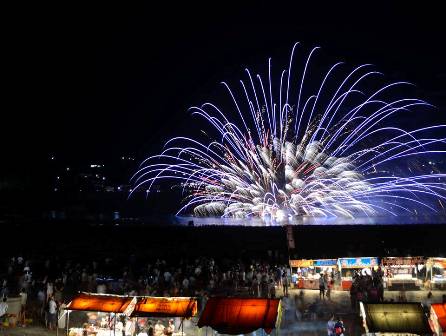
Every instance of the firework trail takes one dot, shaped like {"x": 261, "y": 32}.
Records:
{"x": 284, "y": 152}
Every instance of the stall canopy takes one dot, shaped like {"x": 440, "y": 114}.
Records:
{"x": 236, "y": 316}
{"x": 403, "y": 261}
{"x": 396, "y": 318}
{"x": 135, "y": 306}
{"x": 165, "y": 307}
{"x": 100, "y": 302}
{"x": 440, "y": 313}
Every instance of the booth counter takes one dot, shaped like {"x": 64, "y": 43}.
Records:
{"x": 306, "y": 272}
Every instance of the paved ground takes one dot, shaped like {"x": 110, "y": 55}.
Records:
{"x": 292, "y": 323}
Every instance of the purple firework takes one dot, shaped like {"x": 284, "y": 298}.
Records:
{"x": 281, "y": 150}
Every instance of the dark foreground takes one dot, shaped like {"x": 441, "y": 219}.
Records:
{"x": 77, "y": 240}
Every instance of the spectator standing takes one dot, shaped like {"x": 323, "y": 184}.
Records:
{"x": 52, "y": 313}
{"x": 170, "y": 328}
{"x": 322, "y": 287}
{"x": 49, "y": 290}
{"x": 331, "y": 326}
{"x": 159, "y": 328}
{"x": 23, "y": 299}
{"x": 339, "y": 327}
{"x": 272, "y": 289}
{"x": 285, "y": 283}
{"x": 150, "y": 331}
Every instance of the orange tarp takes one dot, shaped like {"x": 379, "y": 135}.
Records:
{"x": 166, "y": 307}
{"x": 100, "y": 303}
{"x": 236, "y": 316}
{"x": 440, "y": 312}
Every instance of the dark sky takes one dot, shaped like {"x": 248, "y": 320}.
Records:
{"x": 92, "y": 82}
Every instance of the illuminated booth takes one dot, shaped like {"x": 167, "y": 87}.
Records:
{"x": 111, "y": 314}
{"x": 306, "y": 272}
{"x": 348, "y": 266}
{"x": 165, "y": 307}
{"x": 403, "y": 272}
{"x": 438, "y": 318}
{"x": 436, "y": 272}
{"x": 106, "y": 314}
{"x": 394, "y": 319}
{"x": 235, "y": 316}
{"x": 303, "y": 274}
{"x": 326, "y": 266}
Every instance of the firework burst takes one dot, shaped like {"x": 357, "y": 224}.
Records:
{"x": 286, "y": 152}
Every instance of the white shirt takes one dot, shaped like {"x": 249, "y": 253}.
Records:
{"x": 49, "y": 289}
{"x": 52, "y": 307}
{"x": 23, "y": 298}
{"x": 101, "y": 289}
{"x": 167, "y": 276}
{"x": 159, "y": 329}
{"x": 3, "y": 308}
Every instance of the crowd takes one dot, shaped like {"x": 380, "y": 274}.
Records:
{"x": 44, "y": 285}
{"x": 367, "y": 287}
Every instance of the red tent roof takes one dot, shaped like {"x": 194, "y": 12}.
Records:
{"x": 166, "y": 307}
{"x": 100, "y": 303}
{"x": 240, "y": 315}
{"x": 440, "y": 311}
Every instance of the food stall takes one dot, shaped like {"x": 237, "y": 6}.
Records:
{"x": 164, "y": 307}
{"x": 235, "y": 316}
{"x": 394, "y": 319}
{"x": 348, "y": 266}
{"x": 403, "y": 272}
{"x": 303, "y": 274}
{"x": 125, "y": 315}
{"x": 437, "y": 272}
{"x": 105, "y": 314}
{"x": 438, "y": 318}
{"x": 326, "y": 266}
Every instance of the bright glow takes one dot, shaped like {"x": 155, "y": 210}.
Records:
{"x": 280, "y": 215}
{"x": 299, "y": 149}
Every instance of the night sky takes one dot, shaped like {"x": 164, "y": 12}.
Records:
{"x": 94, "y": 82}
